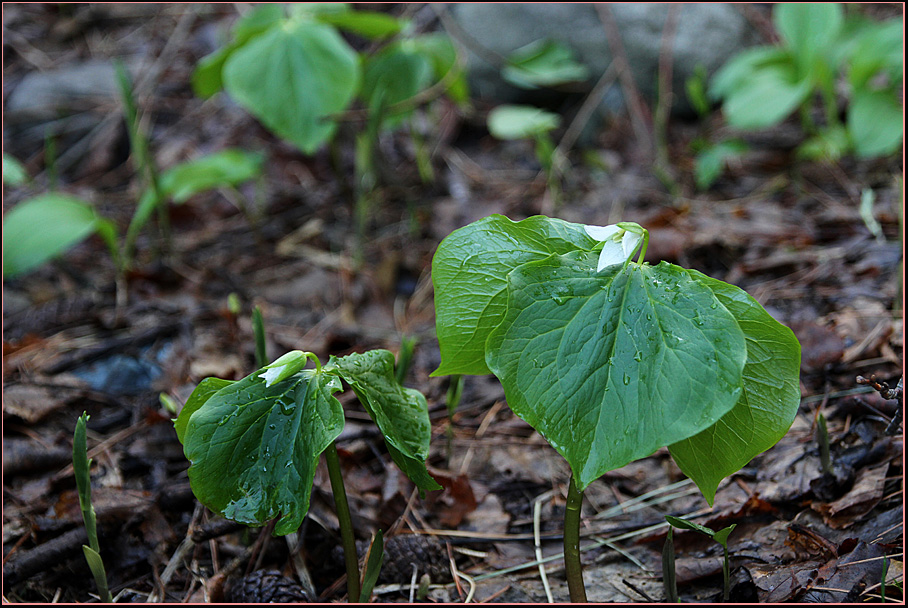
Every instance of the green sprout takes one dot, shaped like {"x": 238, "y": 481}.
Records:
{"x": 81, "y": 466}
{"x": 720, "y": 537}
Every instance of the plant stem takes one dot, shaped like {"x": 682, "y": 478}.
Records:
{"x": 258, "y": 330}
{"x": 572, "y": 566}
{"x": 351, "y": 561}
{"x": 726, "y": 587}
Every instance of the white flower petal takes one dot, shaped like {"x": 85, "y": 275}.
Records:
{"x": 611, "y": 255}
{"x": 602, "y": 233}
{"x": 629, "y": 242}
{"x": 272, "y": 374}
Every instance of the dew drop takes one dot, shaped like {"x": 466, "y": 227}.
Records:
{"x": 638, "y": 356}
{"x": 627, "y": 379}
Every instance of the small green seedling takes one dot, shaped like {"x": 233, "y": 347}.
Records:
{"x": 511, "y": 122}
{"x": 81, "y": 465}
{"x": 820, "y": 47}
{"x": 711, "y": 159}
{"x": 823, "y": 442}
{"x": 611, "y": 359}
{"x": 720, "y": 537}
{"x": 254, "y": 443}
{"x": 373, "y": 567}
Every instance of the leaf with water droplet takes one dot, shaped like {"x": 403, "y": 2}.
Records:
{"x": 589, "y": 384}
{"x": 768, "y": 403}
{"x": 401, "y": 414}
{"x": 469, "y": 273}
{"x": 240, "y": 436}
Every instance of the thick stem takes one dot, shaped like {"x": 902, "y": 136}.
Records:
{"x": 572, "y": 566}
{"x": 351, "y": 561}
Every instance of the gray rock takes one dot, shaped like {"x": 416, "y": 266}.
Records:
{"x": 706, "y": 34}
{"x": 69, "y": 88}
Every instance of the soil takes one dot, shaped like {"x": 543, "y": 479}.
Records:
{"x": 790, "y": 232}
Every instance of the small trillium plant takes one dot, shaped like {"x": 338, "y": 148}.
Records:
{"x": 609, "y": 358}
{"x": 254, "y": 443}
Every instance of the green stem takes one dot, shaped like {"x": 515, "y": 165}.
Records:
{"x": 258, "y": 330}
{"x": 725, "y": 574}
{"x": 572, "y": 566}
{"x": 351, "y": 561}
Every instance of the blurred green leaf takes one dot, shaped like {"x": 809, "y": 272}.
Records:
{"x": 543, "y": 63}
{"x": 520, "y": 122}
{"x": 875, "y": 123}
{"x": 14, "y": 173}
{"x": 40, "y": 228}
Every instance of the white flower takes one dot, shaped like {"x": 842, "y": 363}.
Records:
{"x": 621, "y": 241}
{"x": 283, "y": 367}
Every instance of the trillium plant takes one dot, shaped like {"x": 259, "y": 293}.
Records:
{"x": 254, "y": 443}
{"x": 609, "y": 358}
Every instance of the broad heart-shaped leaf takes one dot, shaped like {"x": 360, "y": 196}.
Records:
{"x": 401, "y": 413}
{"x": 254, "y": 448}
{"x": 292, "y": 78}
{"x": 543, "y": 63}
{"x": 611, "y": 366}
{"x": 768, "y": 403}
{"x": 40, "y": 228}
{"x": 469, "y": 272}
{"x": 207, "y": 76}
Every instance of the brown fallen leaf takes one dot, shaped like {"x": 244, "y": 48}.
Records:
{"x": 860, "y": 500}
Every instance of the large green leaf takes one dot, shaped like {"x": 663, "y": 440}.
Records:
{"x": 768, "y": 403}
{"x": 254, "y": 448}
{"x": 40, "y": 228}
{"x": 766, "y": 98}
{"x": 808, "y": 29}
{"x": 469, "y": 272}
{"x": 875, "y": 123}
{"x": 207, "y": 76}
{"x": 292, "y": 78}
{"x": 401, "y": 413}
{"x": 611, "y": 366}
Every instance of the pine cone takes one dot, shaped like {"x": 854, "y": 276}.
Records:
{"x": 267, "y": 586}
{"x": 427, "y": 552}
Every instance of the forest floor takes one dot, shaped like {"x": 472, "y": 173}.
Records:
{"x": 789, "y": 232}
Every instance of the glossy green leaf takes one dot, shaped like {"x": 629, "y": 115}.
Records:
{"x": 808, "y": 29}
{"x": 41, "y": 228}
{"x": 202, "y": 393}
{"x": 768, "y": 97}
{"x": 401, "y": 413}
{"x": 369, "y": 24}
{"x": 520, "y": 122}
{"x": 292, "y": 78}
{"x": 721, "y": 536}
{"x": 767, "y": 406}
{"x": 254, "y": 448}
{"x": 14, "y": 173}
{"x": 96, "y": 565}
{"x": 207, "y": 77}
{"x": 611, "y": 366}
{"x": 543, "y": 63}
{"x": 469, "y": 272}
{"x": 683, "y": 524}
{"x": 875, "y": 123}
